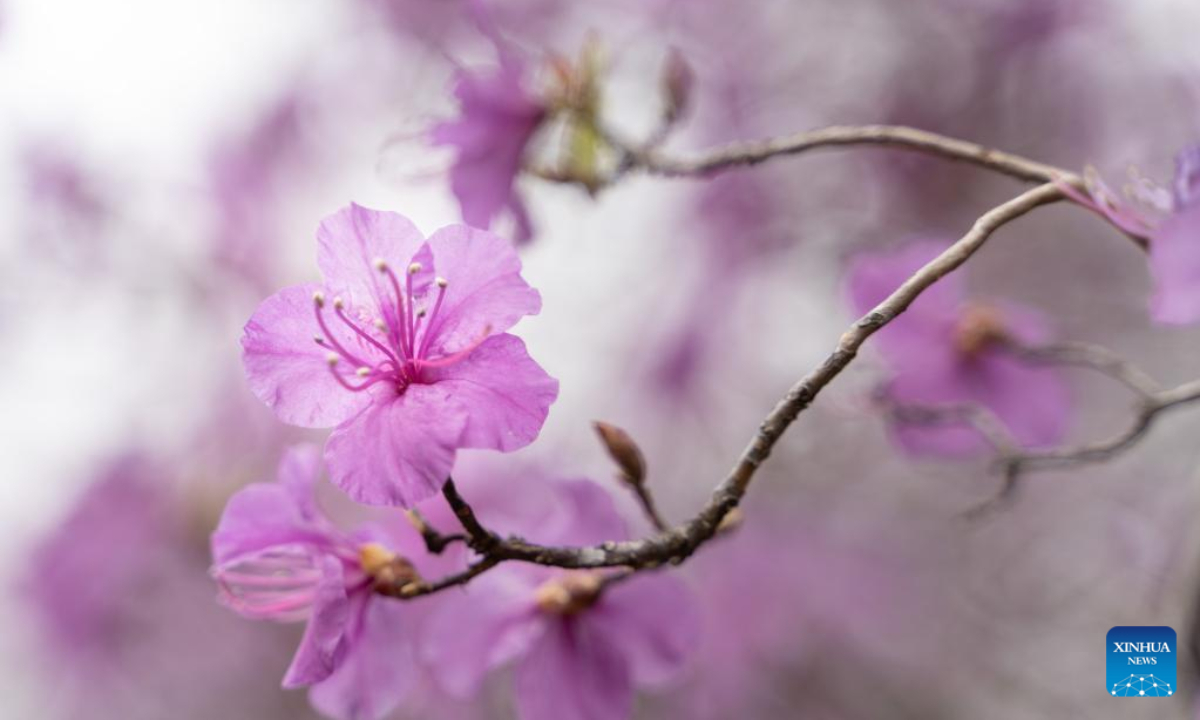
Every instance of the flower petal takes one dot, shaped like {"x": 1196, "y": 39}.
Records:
{"x": 299, "y": 469}
{"x": 503, "y": 623}
{"x": 316, "y": 656}
{"x": 1175, "y": 265}
{"x": 654, "y": 619}
{"x": 486, "y": 294}
{"x": 259, "y": 517}
{"x": 287, "y": 369}
{"x": 1033, "y": 403}
{"x": 584, "y": 514}
{"x": 506, "y": 394}
{"x": 574, "y": 672}
{"x": 377, "y": 670}
{"x": 400, "y": 449}
{"x": 352, "y": 239}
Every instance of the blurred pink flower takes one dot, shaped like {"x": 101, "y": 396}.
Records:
{"x": 409, "y": 367}
{"x": 1170, "y": 219}
{"x": 497, "y": 120}
{"x": 579, "y": 651}
{"x": 277, "y": 557}
{"x": 946, "y": 350}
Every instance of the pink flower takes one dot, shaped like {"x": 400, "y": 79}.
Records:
{"x": 276, "y": 557}
{"x": 1170, "y": 219}
{"x": 580, "y": 649}
{"x": 946, "y": 350}
{"x": 409, "y": 367}
{"x": 498, "y": 119}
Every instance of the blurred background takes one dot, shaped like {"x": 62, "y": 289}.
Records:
{"x": 164, "y": 165}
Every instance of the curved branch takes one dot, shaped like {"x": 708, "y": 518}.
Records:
{"x": 755, "y": 152}
{"x": 676, "y": 544}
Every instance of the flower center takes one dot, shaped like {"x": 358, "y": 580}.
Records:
{"x": 979, "y": 327}
{"x": 568, "y": 594}
{"x": 401, "y": 338}
{"x": 277, "y": 585}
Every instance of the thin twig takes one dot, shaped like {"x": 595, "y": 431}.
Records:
{"x": 1148, "y": 412}
{"x": 755, "y": 152}
{"x": 1095, "y": 357}
{"x": 435, "y": 541}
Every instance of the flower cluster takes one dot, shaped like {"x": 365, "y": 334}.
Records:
{"x": 582, "y": 639}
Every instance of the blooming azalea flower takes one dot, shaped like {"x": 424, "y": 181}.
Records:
{"x": 946, "y": 350}
{"x": 277, "y": 557}
{"x": 408, "y": 365}
{"x": 1170, "y": 219}
{"x": 580, "y": 647}
{"x": 498, "y": 119}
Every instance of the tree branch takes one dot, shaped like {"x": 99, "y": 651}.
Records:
{"x": 676, "y": 544}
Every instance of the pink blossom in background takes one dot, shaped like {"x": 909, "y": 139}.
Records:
{"x": 123, "y": 615}
{"x": 949, "y": 350}
{"x": 498, "y": 117}
{"x": 277, "y": 557}
{"x": 576, "y": 655}
{"x": 408, "y": 365}
{"x": 1175, "y": 248}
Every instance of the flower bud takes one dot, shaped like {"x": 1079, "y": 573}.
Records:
{"x": 677, "y": 82}
{"x": 624, "y": 451}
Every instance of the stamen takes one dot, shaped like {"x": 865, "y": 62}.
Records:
{"x": 363, "y": 371}
{"x": 398, "y": 338}
{"x": 447, "y": 360}
{"x": 414, "y": 268}
{"x": 319, "y": 303}
{"x": 442, "y": 284}
{"x": 338, "y": 309}
{"x": 332, "y": 359}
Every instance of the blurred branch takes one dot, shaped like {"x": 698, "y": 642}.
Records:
{"x": 1012, "y": 460}
{"x": 754, "y": 152}
{"x": 676, "y": 544}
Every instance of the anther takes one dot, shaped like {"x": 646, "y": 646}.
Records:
{"x": 380, "y": 325}
{"x": 332, "y": 359}
{"x": 414, "y": 268}
{"x": 319, "y": 299}
{"x": 338, "y": 304}
{"x": 380, "y": 264}
{"x": 442, "y": 282}
{"x": 420, "y": 312}
{"x": 363, "y": 371}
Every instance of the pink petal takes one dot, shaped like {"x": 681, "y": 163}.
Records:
{"x": 574, "y": 672}
{"x": 259, "y": 517}
{"x": 1175, "y": 265}
{"x": 349, "y": 242}
{"x": 400, "y": 449}
{"x": 299, "y": 469}
{"x": 486, "y": 294}
{"x": 287, "y": 369}
{"x": 503, "y": 623}
{"x": 377, "y": 671}
{"x": 584, "y": 514}
{"x": 1033, "y": 403}
{"x": 315, "y": 657}
{"x": 654, "y": 620}
{"x": 506, "y": 394}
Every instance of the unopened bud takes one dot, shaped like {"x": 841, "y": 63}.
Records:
{"x": 624, "y": 451}
{"x": 677, "y": 82}
{"x": 385, "y": 566}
